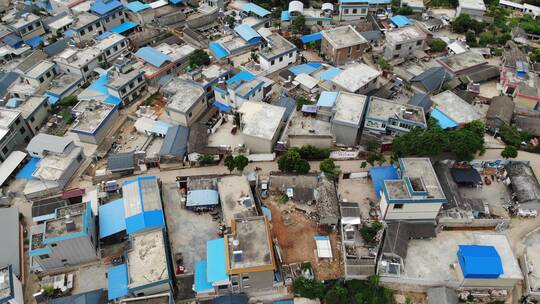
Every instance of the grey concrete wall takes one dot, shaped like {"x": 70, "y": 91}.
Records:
{"x": 345, "y": 135}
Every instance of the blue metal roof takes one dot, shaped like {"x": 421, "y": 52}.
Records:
{"x": 479, "y": 262}
{"x": 12, "y": 40}
{"x": 215, "y": 257}
{"x": 100, "y": 86}
{"x": 379, "y": 175}
{"x": 239, "y": 78}
{"x": 400, "y": 21}
{"x": 104, "y": 35}
{"x": 222, "y": 107}
{"x": 247, "y": 33}
{"x": 330, "y": 73}
{"x": 145, "y": 218}
{"x": 6, "y": 79}
{"x": 284, "y": 302}
{"x": 201, "y": 283}
{"x": 111, "y": 218}
{"x": 137, "y": 6}
{"x": 285, "y": 16}
{"x": 254, "y": 8}
{"x": 102, "y": 7}
{"x": 124, "y": 27}
{"x": 219, "y": 51}
{"x": 443, "y": 120}
{"x": 321, "y": 238}
{"x": 117, "y": 277}
{"x": 152, "y": 56}
{"x": 306, "y": 68}
{"x": 160, "y": 127}
{"x": 200, "y": 198}
{"x": 34, "y": 42}
{"x": 311, "y": 37}
{"x": 176, "y": 1}
{"x": 29, "y": 168}
{"x": 327, "y": 99}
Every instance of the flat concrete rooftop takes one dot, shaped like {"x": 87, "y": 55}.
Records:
{"x": 456, "y": 108}
{"x": 236, "y": 198}
{"x": 384, "y": 108}
{"x": 349, "y": 108}
{"x": 306, "y": 125}
{"x": 110, "y": 40}
{"x": 39, "y": 69}
{"x": 422, "y": 169}
{"x": 356, "y": 76}
{"x": 473, "y": 4}
{"x": 260, "y": 119}
{"x": 405, "y": 34}
{"x": 254, "y": 245}
{"x": 175, "y": 51}
{"x": 69, "y": 220}
{"x": 459, "y": 62}
{"x": 343, "y": 36}
{"x": 52, "y": 166}
{"x": 90, "y": 115}
{"x": 146, "y": 259}
{"x": 62, "y": 82}
{"x": 279, "y": 45}
{"x": 183, "y": 94}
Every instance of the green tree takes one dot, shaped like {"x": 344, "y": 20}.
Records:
{"x": 329, "y": 168}
{"x": 308, "y": 288}
{"x": 300, "y": 101}
{"x": 205, "y": 159}
{"x": 383, "y": 64}
{"x": 311, "y": 152}
{"x": 229, "y": 20}
{"x": 298, "y": 24}
{"x": 470, "y": 38}
{"x": 241, "y": 162}
{"x": 369, "y": 231}
{"x": 292, "y": 162}
{"x": 336, "y": 295}
{"x": 229, "y": 162}
{"x": 464, "y": 23}
{"x": 437, "y": 45}
{"x": 535, "y": 55}
{"x": 198, "y": 58}
{"x": 512, "y": 136}
{"x": 509, "y": 152}
{"x": 370, "y": 292}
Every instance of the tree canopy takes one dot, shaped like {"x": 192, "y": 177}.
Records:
{"x": 464, "y": 22}
{"x": 298, "y": 24}
{"x": 437, "y": 45}
{"x": 198, "y": 58}
{"x": 292, "y": 162}
{"x": 236, "y": 162}
{"x": 308, "y": 288}
{"x": 509, "y": 152}
{"x": 329, "y": 168}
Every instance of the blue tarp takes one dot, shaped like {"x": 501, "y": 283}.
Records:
{"x": 117, "y": 277}
{"x": 99, "y": 86}
{"x": 215, "y": 257}
{"x": 306, "y": 68}
{"x": 254, "y": 8}
{"x": 327, "y": 99}
{"x": 311, "y": 37}
{"x": 267, "y": 212}
{"x": 479, "y": 262}
{"x": 69, "y": 33}
{"x": 34, "y": 42}
{"x": 29, "y": 168}
{"x": 104, "y": 35}
{"x": 201, "y": 282}
{"x": 247, "y": 33}
{"x": 51, "y": 98}
{"x": 111, "y": 218}
{"x": 152, "y": 56}
{"x": 102, "y": 7}
{"x": 124, "y": 27}
{"x": 12, "y": 40}
{"x": 330, "y": 73}
{"x": 218, "y": 51}
{"x": 202, "y": 198}
{"x": 13, "y": 102}
{"x": 137, "y": 6}
{"x": 285, "y": 16}
{"x": 380, "y": 174}
{"x": 321, "y": 238}
{"x": 222, "y": 107}
{"x": 400, "y": 21}
{"x": 176, "y": 1}
{"x": 444, "y": 121}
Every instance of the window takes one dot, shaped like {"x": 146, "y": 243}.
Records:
{"x": 123, "y": 91}
{"x": 131, "y": 85}
{"x": 354, "y": 11}
{"x": 115, "y": 48}
{"x": 85, "y": 69}
{"x": 107, "y": 52}
{"x": 281, "y": 59}
{"x": 358, "y": 47}
{"x": 54, "y": 245}
{"x": 44, "y": 256}
{"x": 82, "y": 32}
{"x": 346, "y": 11}
{"x": 190, "y": 114}
{"x": 398, "y": 47}
{"x": 79, "y": 158}
{"x": 398, "y": 206}
{"x": 5, "y": 150}
{"x": 363, "y": 11}
{"x": 106, "y": 19}
{"x": 48, "y": 74}
{"x": 419, "y": 42}
{"x": 41, "y": 79}
{"x": 290, "y": 55}
{"x": 140, "y": 79}
{"x": 30, "y": 27}
{"x": 18, "y": 121}
{"x": 27, "y": 139}
{"x": 272, "y": 62}
{"x": 22, "y": 130}
{"x": 123, "y": 44}
{"x": 32, "y": 119}
{"x": 396, "y": 56}
{"x": 90, "y": 28}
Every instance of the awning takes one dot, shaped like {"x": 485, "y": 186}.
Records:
{"x": 324, "y": 249}
{"x": 10, "y": 164}
{"x": 29, "y": 168}
{"x": 34, "y": 42}
{"x": 311, "y": 37}
{"x": 117, "y": 281}
{"x": 124, "y": 27}
{"x": 218, "y": 50}
{"x": 111, "y": 218}
{"x": 222, "y": 107}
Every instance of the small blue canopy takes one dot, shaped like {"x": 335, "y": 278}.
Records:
{"x": 443, "y": 120}
{"x": 69, "y": 33}
{"x": 176, "y": 1}
{"x": 267, "y": 212}
{"x": 29, "y": 168}
{"x": 254, "y": 8}
{"x": 380, "y": 174}
{"x": 201, "y": 282}
{"x": 51, "y": 98}
{"x": 102, "y": 7}
{"x": 34, "y": 42}
{"x": 137, "y": 6}
{"x": 330, "y": 73}
{"x": 321, "y": 238}
{"x": 219, "y": 51}
{"x": 400, "y": 21}
{"x": 239, "y": 78}
{"x": 152, "y": 56}
{"x": 12, "y": 40}
{"x": 201, "y": 198}
{"x": 285, "y": 16}
{"x": 311, "y": 37}
{"x": 327, "y": 99}
{"x": 111, "y": 218}
{"x": 117, "y": 277}
{"x": 222, "y": 107}
{"x": 215, "y": 257}
{"x": 124, "y": 27}
{"x": 479, "y": 262}
{"x": 104, "y": 35}
{"x": 247, "y": 33}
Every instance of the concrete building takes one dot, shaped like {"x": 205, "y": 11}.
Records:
{"x": 452, "y": 111}
{"x": 500, "y": 113}
{"x": 416, "y": 196}
{"x": 348, "y": 117}
{"x": 236, "y": 198}
{"x": 125, "y": 82}
{"x": 350, "y": 10}
{"x": 12, "y": 238}
{"x": 241, "y": 87}
{"x": 386, "y": 117}
{"x": 11, "y": 291}
{"x": 113, "y": 46}
{"x": 260, "y": 124}
{"x": 35, "y": 112}
{"x": 40, "y": 75}
{"x": 162, "y": 60}
{"x": 207, "y": 77}
{"x": 26, "y": 25}
{"x": 140, "y": 12}
{"x": 403, "y": 42}
{"x": 526, "y": 8}
{"x": 343, "y": 44}
{"x": 473, "y": 8}
{"x": 81, "y": 62}
{"x": 93, "y": 120}
{"x": 304, "y": 130}
{"x": 69, "y": 239}
{"x": 63, "y": 85}
{"x": 460, "y": 64}
{"x": 357, "y": 78}
{"x": 110, "y": 12}
{"x": 86, "y": 27}
{"x": 276, "y": 53}
{"x": 185, "y": 101}
{"x": 14, "y": 132}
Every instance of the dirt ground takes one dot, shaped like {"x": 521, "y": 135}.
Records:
{"x": 415, "y": 297}
{"x": 297, "y": 243}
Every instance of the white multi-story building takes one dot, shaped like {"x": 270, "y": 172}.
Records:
{"x": 277, "y": 53}
{"x": 403, "y": 42}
